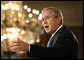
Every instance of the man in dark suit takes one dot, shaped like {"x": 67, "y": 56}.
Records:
{"x": 62, "y": 44}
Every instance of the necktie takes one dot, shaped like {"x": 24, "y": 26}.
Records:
{"x": 49, "y": 41}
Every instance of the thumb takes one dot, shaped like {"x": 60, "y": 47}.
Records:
{"x": 18, "y": 39}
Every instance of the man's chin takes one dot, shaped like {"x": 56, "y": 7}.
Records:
{"x": 48, "y": 32}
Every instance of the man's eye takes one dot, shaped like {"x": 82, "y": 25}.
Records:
{"x": 47, "y": 17}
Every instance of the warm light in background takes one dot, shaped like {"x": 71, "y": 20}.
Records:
{"x": 18, "y": 20}
{"x": 22, "y": 32}
{"x": 38, "y": 40}
{"x": 40, "y": 17}
{"x": 12, "y": 36}
{"x": 13, "y": 30}
{"x": 31, "y": 42}
{"x": 30, "y": 15}
{"x": 19, "y": 14}
{"x": 17, "y": 7}
{"x": 37, "y": 12}
{"x": 25, "y": 7}
{"x": 13, "y": 7}
{"x": 6, "y": 6}
{"x": 29, "y": 10}
{"x": 33, "y": 11}
{"x": 12, "y": 33}
{"x": 3, "y": 37}
{"x": 27, "y": 21}
{"x": 10, "y": 3}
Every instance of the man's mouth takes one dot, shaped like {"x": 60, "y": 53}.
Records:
{"x": 46, "y": 27}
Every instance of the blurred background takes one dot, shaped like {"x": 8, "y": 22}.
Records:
{"x": 23, "y": 19}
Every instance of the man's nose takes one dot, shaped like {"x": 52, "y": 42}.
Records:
{"x": 44, "y": 21}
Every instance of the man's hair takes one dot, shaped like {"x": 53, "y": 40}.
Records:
{"x": 56, "y": 12}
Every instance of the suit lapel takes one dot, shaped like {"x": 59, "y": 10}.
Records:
{"x": 56, "y": 35}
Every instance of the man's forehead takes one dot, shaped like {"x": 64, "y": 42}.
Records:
{"x": 47, "y": 11}
{"x": 46, "y": 14}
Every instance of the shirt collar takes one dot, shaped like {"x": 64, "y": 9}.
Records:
{"x": 57, "y": 30}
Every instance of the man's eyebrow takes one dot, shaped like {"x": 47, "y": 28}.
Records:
{"x": 47, "y": 16}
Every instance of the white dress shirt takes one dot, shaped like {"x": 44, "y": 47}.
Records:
{"x": 57, "y": 30}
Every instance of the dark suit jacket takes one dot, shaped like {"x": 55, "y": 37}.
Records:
{"x": 63, "y": 46}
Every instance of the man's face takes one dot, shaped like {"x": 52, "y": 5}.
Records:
{"x": 49, "y": 22}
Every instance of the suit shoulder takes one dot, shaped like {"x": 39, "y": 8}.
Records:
{"x": 67, "y": 37}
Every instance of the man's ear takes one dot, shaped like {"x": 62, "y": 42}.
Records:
{"x": 59, "y": 20}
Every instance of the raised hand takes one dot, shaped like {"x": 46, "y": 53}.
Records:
{"x": 19, "y": 45}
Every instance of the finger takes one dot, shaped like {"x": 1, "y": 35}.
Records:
{"x": 19, "y": 50}
{"x": 15, "y": 44}
{"x": 15, "y": 47}
{"x": 18, "y": 39}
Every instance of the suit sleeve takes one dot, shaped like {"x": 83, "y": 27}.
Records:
{"x": 63, "y": 48}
